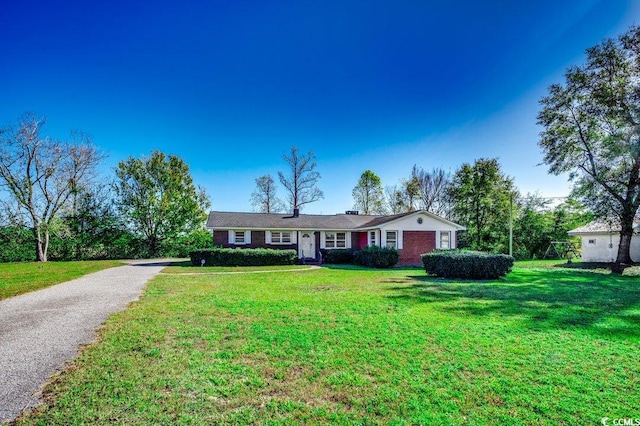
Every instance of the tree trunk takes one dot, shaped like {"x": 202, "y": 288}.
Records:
{"x": 624, "y": 255}
{"x": 623, "y": 250}
{"x": 45, "y": 246}
{"x": 154, "y": 246}
{"x": 42, "y": 243}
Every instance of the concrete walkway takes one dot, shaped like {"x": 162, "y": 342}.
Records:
{"x": 42, "y": 330}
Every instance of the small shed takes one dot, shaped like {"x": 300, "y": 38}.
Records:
{"x": 600, "y": 241}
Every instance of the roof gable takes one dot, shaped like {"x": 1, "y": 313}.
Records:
{"x": 404, "y": 217}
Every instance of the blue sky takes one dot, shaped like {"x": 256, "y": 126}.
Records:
{"x": 230, "y": 86}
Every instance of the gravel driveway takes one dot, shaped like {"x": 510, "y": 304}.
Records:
{"x": 42, "y": 330}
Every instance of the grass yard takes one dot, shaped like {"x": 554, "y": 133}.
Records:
{"x": 19, "y": 278}
{"x": 348, "y": 345}
{"x": 186, "y": 268}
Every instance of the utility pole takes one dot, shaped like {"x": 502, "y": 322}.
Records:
{"x": 511, "y": 224}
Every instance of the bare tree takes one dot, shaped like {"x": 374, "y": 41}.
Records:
{"x": 403, "y": 197}
{"x": 264, "y": 198}
{"x": 433, "y": 187}
{"x": 394, "y": 199}
{"x": 302, "y": 179}
{"x": 41, "y": 174}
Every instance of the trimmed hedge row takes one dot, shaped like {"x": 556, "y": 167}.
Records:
{"x": 376, "y": 257}
{"x": 243, "y": 257}
{"x": 467, "y": 264}
{"x": 337, "y": 256}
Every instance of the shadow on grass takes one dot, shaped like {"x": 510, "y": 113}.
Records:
{"x": 183, "y": 264}
{"x": 352, "y": 267}
{"x": 543, "y": 299}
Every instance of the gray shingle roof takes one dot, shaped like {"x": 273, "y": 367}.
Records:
{"x": 239, "y": 220}
{"x": 600, "y": 227}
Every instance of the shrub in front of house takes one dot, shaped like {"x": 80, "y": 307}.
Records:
{"x": 468, "y": 265}
{"x": 337, "y": 256}
{"x": 376, "y": 257}
{"x": 243, "y": 257}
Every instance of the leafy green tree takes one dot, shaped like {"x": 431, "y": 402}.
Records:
{"x": 403, "y": 197}
{"x": 481, "y": 196}
{"x": 410, "y": 193}
{"x": 41, "y": 174}
{"x": 196, "y": 239}
{"x": 537, "y": 224}
{"x": 368, "y": 196}
{"x": 91, "y": 227}
{"x": 16, "y": 244}
{"x": 302, "y": 180}
{"x": 264, "y": 198}
{"x": 592, "y": 131}
{"x": 532, "y": 227}
{"x": 158, "y": 199}
{"x": 567, "y": 216}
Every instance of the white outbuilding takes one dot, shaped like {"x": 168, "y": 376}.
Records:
{"x": 600, "y": 241}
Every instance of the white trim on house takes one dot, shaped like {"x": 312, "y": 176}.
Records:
{"x": 441, "y": 236}
{"x": 373, "y": 237}
{"x": 281, "y": 237}
{"x": 337, "y": 243}
{"x": 394, "y": 242}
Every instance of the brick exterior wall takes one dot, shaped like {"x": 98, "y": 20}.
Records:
{"x": 414, "y": 244}
{"x": 221, "y": 238}
{"x": 258, "y": 240}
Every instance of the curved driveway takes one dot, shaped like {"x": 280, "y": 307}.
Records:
{"x": 42, "y": 330}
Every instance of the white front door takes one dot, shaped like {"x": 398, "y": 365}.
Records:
{"x": 307, "y": 245}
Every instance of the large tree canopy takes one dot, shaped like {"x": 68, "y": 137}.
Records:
{"x": 592, "y": 131}
{"x": 158, "y": 197}
{"x": 41, "y": 174}
{"x": 481, "y": 195}
{"x": 368, "y": 196}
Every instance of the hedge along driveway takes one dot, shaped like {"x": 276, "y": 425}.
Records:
{"x": 42, "y": 330}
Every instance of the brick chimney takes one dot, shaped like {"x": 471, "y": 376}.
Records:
{"x": 296, "y": 212}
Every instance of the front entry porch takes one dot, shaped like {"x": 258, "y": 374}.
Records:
{"x": 308, "y": 243}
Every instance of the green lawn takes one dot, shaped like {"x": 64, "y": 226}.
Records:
{"x": 348, "y": 345}
{"x": 187, "y": 268}
{"x": 18, "y": 278}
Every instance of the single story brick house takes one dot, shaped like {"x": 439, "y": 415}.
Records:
{"x": 600, "y": 241}
{"x": 412, "y": 234}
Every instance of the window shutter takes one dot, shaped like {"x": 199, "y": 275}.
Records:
{"x": 247, "y": 237}
{"x": 232, "y": 237}
{"x": 267, "y": 237}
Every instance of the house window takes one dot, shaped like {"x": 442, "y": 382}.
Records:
{"x": 592, "y": 242}
{"x": 335, "y": 239}
{"x": 280, "y": 237}
{"x": 240, "y": 237}
{"x": 392, "y": 239}
{"x": 372, "y": 238}
{"x": 445, "y": 239}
